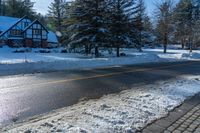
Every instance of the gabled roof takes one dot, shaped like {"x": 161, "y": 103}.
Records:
{"x": 52, "y": 38}
{"x": 34, "y": 22}
{"x": 6, "y": 23}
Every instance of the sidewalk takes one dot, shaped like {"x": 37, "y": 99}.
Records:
{"x": 184, "y": 119}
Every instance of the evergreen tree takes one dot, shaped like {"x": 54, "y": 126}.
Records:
{"x": 104, "y": 23}
{"x": 20, "y": 8}
{"x": 122, "y": 24}
{"x": 88, "y": 24}
{"x": 56, "y": 14}
{"x": 139, "y": 21}
{"x": 196, "y": 23}
{"x": 183, "y": 19}
{"x": 148, "y": 33}
{"x": 196, "y": 9}
{"x": 67, "y": 22}
{"x": 2, "y": 8}
{"x": 42, "y": 18}
{"x": 147, "y": 24}
{"x": 27, "y": 6}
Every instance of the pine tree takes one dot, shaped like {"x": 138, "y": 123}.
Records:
{"x": 27, "y": 6}
{"x": 147, "y": 24}
{"x": 196, "y": 23}
{"x": 183, "y": 19}
{"x": 42, "y": 18}
{"x": 88, "y": 24}
{"x": 122, "y": 26}
{"x": 139, "y": 21}
{"x": 196, "y": 9}
{"x": 148, "y": 33}
{"x": 20, "y": 8}
{"x": 56, "y": 14}
{"x": 2, "y": 7}
{"x": 67, "y": 22}
{"x": 104, "y": 23}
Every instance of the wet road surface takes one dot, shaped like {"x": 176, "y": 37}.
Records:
{"x": 23, "y": 96}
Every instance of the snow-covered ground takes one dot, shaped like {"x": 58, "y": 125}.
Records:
{"x": 30, "y": 62}
{"x": 128, "y": 111}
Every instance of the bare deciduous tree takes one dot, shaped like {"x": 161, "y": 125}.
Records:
{"x": 164, "y": 21}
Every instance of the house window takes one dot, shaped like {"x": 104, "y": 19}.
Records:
{"x": 26, "y": 24}
{"x": 36, "y": 32}
{"x": 15, "y": 32}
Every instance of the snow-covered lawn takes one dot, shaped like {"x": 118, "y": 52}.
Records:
{"x": 127, "y": 111}
{"x": 30, "y": 62}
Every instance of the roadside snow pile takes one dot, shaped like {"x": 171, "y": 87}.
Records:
{"x": 56, "y": 62}
{"x": 26, "y": 60}
{"x": 192, "y": 56}
{"x": 128, "y": 111}
{"x": 175, "y": 54}
{"x": 30, "y": 62}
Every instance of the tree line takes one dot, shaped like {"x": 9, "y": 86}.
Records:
{"x": 124, "y": 23}
{"x": 92, "y": 24}
{"x": 178, "y": 23}
{"x": 19, "y": 8}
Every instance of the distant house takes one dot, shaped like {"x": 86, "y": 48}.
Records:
{"x": 22, "y": 32}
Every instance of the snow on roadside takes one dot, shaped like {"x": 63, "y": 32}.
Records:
{"x": 127, "y": 111}
{"x": 32, "y": 61}
{"x": 191, "y": 56}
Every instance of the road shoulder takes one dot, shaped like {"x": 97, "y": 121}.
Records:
{"x": 183, "y": 118}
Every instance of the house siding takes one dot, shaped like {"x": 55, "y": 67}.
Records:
{"x": 28, "y": 43}
{"x": 26, "y": 33}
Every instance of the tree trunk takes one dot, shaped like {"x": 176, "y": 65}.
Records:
{"x": 165, "y": 48}
{"x": 140, "y": 50}
{"x": 86, "y": 49}
{"x": 118, "y": 52}
{"x": 165, "y": 43}
{"x": 191, "y": 47}
{"x": 90, "y": 49}
{"x": 190, "y": 44}
{"x": 96, "y": 52}
{"x": 183, "y": 45}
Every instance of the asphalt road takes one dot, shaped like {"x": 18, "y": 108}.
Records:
{"x": 23, "y": 96}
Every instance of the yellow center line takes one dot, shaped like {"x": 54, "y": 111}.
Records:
{"x": 101, "y": 75}
{"x": 110, "y": 74}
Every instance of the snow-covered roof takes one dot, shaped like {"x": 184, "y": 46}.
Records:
{"x": 36, "y": 21}
{"x": 10, "y": 22}
{"x": 7, "y": 22}
{"x": 52, "y": 37}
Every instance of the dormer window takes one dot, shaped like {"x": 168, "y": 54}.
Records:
{"x": 15, "y": 32}
{"x": 36, "y": 32}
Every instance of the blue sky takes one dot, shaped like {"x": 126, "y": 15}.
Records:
{"x": 41, "y": 6}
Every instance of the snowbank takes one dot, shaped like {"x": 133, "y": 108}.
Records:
{"x": 191, "y": 56}
{"x": 128, "y": 111}
{"x": 33, "y": 61}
